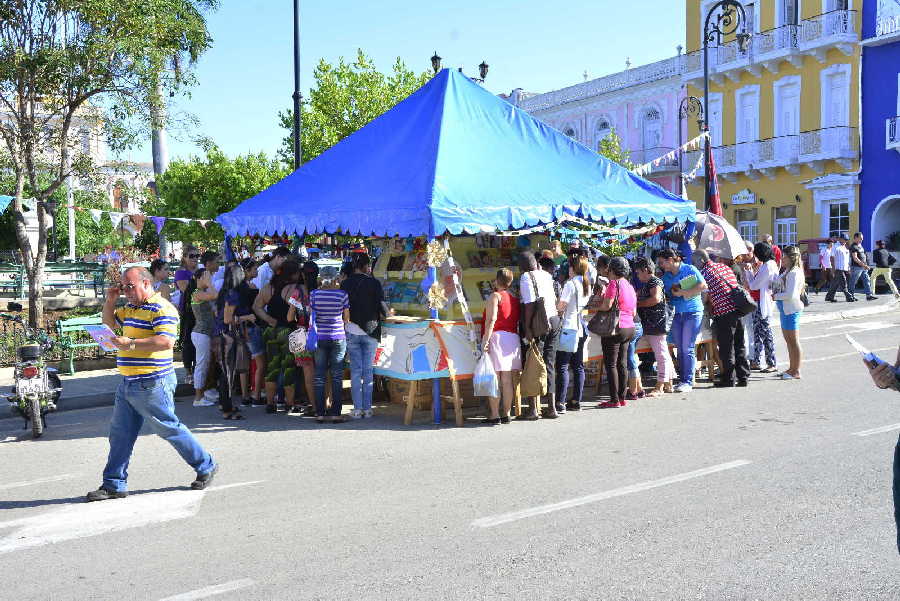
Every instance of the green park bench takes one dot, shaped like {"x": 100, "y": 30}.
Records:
{"x": 73, "y": 336}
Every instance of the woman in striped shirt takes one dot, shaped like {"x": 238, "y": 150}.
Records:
{"x": 331, "y": 307}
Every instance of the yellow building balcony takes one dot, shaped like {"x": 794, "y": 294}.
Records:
{"x": 892, "y": 136}
{"x": 768, "y": 49}
{"x": 763, "y": 158}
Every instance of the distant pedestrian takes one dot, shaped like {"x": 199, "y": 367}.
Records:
{"x": 651, "y": 306}
{"x": 331, "y": 307}
{"x": 149, "y": 325}
{"x": 760, "y": 273}
{"x": 728, "y": 329}
{"x": 826, "y": 272}
{"x": 500, "y": 340}
{"x": 367, "y": 309}
{"x": 789, "y": 287}
{"x": 884, "y": 266}
{"x": 190, "y": 259}
{"x": 202, "y": 301}
{"x": 859, "y": 267}
{"x": 776, "y": 252}
{"x": 840, "y": 261}
{"x": 267, "y": 270}
{"x": 688, "y": 311}
{"x": 619, "y": 292}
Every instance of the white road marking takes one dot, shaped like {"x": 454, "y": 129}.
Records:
{"x": 505, "y": 518}
{"x": 38, "y": 481}
{"x": 842, "y": 355}
{"x": 210, "y": 591}
{"x": 80, "y": 520}
{"x": 862, "y": 327}
{"x": 880, "y": 430}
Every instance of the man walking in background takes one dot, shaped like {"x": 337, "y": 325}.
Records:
{"x": 149, "y": 328}
{"x": 884, "y": 266}
{"x": 826, "y": 272}
{"x": 840, "y": 260}
{"x": 859, "y": 267}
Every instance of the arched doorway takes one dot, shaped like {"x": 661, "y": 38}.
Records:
{"x": 886, "y": 220}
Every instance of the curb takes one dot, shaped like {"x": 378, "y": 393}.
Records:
{"x": 851, "y": 313}
{"x": 85, "y": 401}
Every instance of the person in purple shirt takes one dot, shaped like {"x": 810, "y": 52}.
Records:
{"x": 331, "y": 307}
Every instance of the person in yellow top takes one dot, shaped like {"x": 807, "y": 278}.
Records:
{"x": 149, "y": 326}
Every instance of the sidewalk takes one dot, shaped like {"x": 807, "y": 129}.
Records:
{"x": 98, "y": 387}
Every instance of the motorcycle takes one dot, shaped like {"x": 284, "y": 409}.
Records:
{"x": 37, "y": 387}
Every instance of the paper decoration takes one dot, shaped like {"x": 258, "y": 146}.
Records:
{"x": 96, "y": 215}
{"x": 203, "y": 222}
{"x": 693, "y": 144}
{"x": 115, "y": 217}
{"x": 159, "y": 222}
{"x": 138, "y": 220}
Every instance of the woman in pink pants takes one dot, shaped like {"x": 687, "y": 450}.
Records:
{"x": 652, "y": 310}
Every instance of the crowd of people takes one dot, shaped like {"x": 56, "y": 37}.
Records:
{"x": 237, "y": 318}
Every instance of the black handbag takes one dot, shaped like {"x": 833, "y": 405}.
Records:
{"x": 743, "y": 302}
{"x": 540, "y": 322}
{"x": 606, "y": 323}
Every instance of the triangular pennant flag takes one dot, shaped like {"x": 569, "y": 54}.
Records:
{"x": 116, "y": 218}
{"x": 29, "y": 204}
{"x": 159, "y": 222}
{"x": 203, "y": 222}
{"x": 96, "y": 215}
{"x": 138, "y": 220}
{"x": 181, "y": 219}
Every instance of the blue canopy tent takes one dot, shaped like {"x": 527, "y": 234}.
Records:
{"x": 452, "y": 158}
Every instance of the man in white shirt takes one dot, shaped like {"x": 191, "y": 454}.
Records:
{"x": 826, "y": 272}
{"x": 533, "y": 284}
{"x": 840, "y": 261}
{"x": 268, "y": 269}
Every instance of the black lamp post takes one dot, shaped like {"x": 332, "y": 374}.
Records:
{"x": 690, "y": 105}
{"x": 50, "y": 207}
{"x": 730, "y": 15}
{"x": 298, "y": 149}
{"x": 482, "y": 68}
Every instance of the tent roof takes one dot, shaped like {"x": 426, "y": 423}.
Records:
{"x": 452, "y": 157}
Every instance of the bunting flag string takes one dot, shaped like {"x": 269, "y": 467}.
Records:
{"x": 690, "y": 145}
{"x": 134, "y": 222}
{"x": 689, "y": 177}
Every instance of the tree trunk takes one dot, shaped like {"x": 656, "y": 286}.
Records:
{"x": 36, "y": 295}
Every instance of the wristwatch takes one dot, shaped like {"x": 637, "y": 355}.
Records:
{"x": 131, "y": 346}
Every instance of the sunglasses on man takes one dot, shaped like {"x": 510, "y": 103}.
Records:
{"x": 193, "y": 256}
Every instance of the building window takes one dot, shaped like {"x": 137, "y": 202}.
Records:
{"x": 785, "y": 219}
{"x": 652, "y": 129}
{"x": 603, "y": 129}
{"x": 838, "y": 219}
{"x": 747, "y": 224}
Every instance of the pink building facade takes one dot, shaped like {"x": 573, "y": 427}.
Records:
{"x": 640, "y": 104}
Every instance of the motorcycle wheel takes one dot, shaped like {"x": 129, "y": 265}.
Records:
{"x": 37, "y": 423}
{"x": 54, "y": 382}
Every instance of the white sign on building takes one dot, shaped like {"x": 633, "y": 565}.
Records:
{"x": 744, "y": 197}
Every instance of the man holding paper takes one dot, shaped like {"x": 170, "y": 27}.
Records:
{"x": 887, "y": 376}
{"x": 149, "y": 329}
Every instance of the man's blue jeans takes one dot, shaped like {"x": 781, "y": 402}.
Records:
{"x": 633, "y": 360}
{"x": 685, "y": 328}
{"x": 857, "y": 272}
{"x": 330, "y": 357}
{"x": 361, "y": 349}
{"x": 138, "y": 401}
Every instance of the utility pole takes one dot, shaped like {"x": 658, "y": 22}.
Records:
{"x": 159, "y": 141}
{"x": 298, "y": 149}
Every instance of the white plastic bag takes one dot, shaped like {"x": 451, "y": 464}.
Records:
{"x": 484, "y": 381}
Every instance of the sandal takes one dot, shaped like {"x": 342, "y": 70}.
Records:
{"x": 769, "y": 370}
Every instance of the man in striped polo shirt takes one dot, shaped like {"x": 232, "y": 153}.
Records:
{"x": 149, "y": 326}
{"x": 727, "y": 325}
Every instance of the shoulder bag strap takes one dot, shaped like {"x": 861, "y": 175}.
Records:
{"x": 534, "y": 285}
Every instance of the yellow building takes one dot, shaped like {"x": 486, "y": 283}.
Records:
{"x": 783, "y": 115}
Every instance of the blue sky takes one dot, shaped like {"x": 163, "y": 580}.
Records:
{"x": 247, "y": 76}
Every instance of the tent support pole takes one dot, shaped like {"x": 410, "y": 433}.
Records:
{"x": 436, "y": 383}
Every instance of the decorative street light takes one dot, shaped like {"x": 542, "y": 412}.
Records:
{"x": 50, "y": 207}
{"x": 690, "y": 105}
{"x": 298, "y": 97}
{"x": 436, "y": 62}
{"x": 482, "y": 68}
{"x": 730, "y": 15}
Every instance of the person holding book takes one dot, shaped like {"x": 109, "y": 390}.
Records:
{"x": 887, "y": 377}
{"x": 683, "y": 283}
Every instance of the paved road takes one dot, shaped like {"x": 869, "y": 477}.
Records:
{"x": 778, "y": 491}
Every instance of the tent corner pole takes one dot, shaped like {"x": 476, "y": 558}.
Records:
{"x": 436, "y": 409}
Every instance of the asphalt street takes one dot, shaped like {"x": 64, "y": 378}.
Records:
{"x": 777, "y": 491}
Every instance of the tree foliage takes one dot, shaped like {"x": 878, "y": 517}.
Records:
{"x": 611, "y": 148}
{"x": 345, "y": 97}
{"x": 99, "y": 61}
{"x": 205, "y": 187}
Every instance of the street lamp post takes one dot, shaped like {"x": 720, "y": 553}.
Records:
{"x": 729, "y": 15}
{"x": 298, "y": 149}
{"x": 482, "y": 68}
{"x": 50, "y": 207}
{"x": 690, "y": 105}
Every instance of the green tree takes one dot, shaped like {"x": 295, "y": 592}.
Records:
{"x": 64, "y": 61}
{"x": 90, "y": 236}
{"x": 611, "y": 148}
{"x": 345, "y": 97}
{"x": 203, "y": 188}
